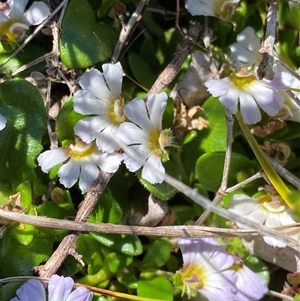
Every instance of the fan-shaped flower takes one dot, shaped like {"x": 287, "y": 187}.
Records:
{"x": 2, "y": 122}
{"x": 245, "y": 51}
{"x": 269, "y": 210}
{"x": 59, "y": 289}
{"x": 249, "y": 91}
{"x": 249, "y": 285}
{"x": 101, "y": 97}
{"x": 14, "y": 20}
{"x": 145, "y": 137}
{"x": 222, "y": 9}
{"x": 206, "y": 269}
{"x": 83, "y": 161}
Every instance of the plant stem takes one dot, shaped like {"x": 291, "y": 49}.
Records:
{"x": 276, "y": 181}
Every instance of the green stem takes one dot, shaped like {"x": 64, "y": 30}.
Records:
{"x": 265, "y": 164}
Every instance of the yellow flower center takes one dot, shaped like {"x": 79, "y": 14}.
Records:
{"x": 271, "y": 203}
{"x": 12, "y": 30}
{"x": 81, "y": 150}
{"x": 241, "y": 82}
{"x": 154, "y": 146}
{"x": 224, "y": 9}
{"x": 115, "y": 111}
{"x": 193, "y": 277}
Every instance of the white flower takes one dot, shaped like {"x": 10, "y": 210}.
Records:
{"x": 268, "y": 210}
{"x": 14, "y": 20}
{"x": 249, "y": 285}
{"x": 206, "y": 269}
{"x": 222, "y": 9}
{"x": 100, "y": 97}
{"x": 249, "y": 91}
{"x": 59, "y": 289}
{"x": 2, "y": 122}
{"x": 245, "y": 51}
{"x": 145, "y": 137}
{"x": 83, "y": 162}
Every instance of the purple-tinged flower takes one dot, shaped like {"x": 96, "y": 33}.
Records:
{"x": 145, "y": 137}
{"x": 222, "y": 9}
{"x": 2, "y": 122}
{"x": 251, "y": 93}
{"x": 206, "y": 269}
{"x": 267, "y": 209}
{"x": 83, "y": 161}
{"x": 14, "y": 20}
{"x": 59, "y": 289}
{"x": 245, "y": 51}
{"x": 249, "y": 285}
{"x": 101, "y": 97}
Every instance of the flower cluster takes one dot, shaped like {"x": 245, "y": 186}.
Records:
{"x": 137, "y": 126}
{"x": 209, "y": 271}
{"x": 244, "y": 88}
{"x": 59, "y": 289}
{"x": 14, "y": 20}
{"x": 268, "y": 209}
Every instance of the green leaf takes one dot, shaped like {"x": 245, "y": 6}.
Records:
{"x": 162, "y": 191}
{"x": 86, "y": 245}
{"x": 130, "y": 244}
{"x": 51, "y": 209}
{"x": 156, "y": 288}
{"x": 116, "y": 261}
{"x": 8, "y": 291}
{"x": 141, "y": 70}
{"x": 258, "y": 266}
{"x": 12, "y": 254}
{"x": 84, "y": 41}
{"x": 213, "y": 138}
{"x": 107, "y": 210}
{"x": 209, "y": 169}
{"x": 105, "y": 6}
{"x": 127, "y": 278}
{"x": 66, "y": 120}
{"x": 20, "y": 141}
{"x": 157, "y": 254}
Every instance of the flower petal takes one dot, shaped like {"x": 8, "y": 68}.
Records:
{"x": 136, "y": 112}
{"x": 108, "y": 162}
{"x": 156, "y": 104}
{"x": 113, "y": 74}
{"x": 129, "y": 133}
{"x": 131, "y": 163}
{"x": 48, "y": 159}
{"x": 36, "y": 13}
{"x": 31, "y": 290}
{"x": 249, "y": 108}
{"x": 88, "y": 128}
{"x": 200, "y": 7}
{"x": 87, "y": 103}
{"x": 88, "y": 174}
{"x": 105, "y": 140}
{"x": 17, "y": 9}
{"x": 249, "y": 285}
{"x": 60, "y": 288}
{"x": 69, "y": 173}
{"x": 80, "y": 294}
{"x": 153, "y": 170}
{"x": 93, "y": 81}
{"x": 3, "y": 121}
{"x": 269, "y": 100}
